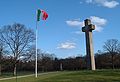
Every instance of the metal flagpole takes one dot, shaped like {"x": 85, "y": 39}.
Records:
{"x": 36, "y": 52}
{"x": 36, "y": 48}
{"x": 44, "y": 16}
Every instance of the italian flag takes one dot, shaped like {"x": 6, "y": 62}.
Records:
{"x": 43, "y": 13}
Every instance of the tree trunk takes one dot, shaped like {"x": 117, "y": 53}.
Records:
{"x": 0, "y": 69}
{"x": 0, "y": 61}
{"x": 15, "y": 67}
{"x": 112, "y": 61}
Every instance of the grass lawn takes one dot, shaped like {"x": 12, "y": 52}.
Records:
{"x": 10, "y": 74}
{"x": 74, "y": 76}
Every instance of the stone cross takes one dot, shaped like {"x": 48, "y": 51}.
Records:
{"x": 89, "y": 44}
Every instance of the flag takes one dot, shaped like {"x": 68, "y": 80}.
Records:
{"x": 38, "y": 14}
{"x": 44, "y": 15}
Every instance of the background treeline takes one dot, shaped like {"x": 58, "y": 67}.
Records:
{"x": 17, "y": 53}
{"x": 48, "y": 62}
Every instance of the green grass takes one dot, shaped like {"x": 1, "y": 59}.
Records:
{"x": 10, "y": 74}
{"x": 74, "y": 76}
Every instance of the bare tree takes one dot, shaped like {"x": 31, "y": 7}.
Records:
{"x": 29, "y": 54}
{"x": 1, "y": 49}
{"x": 112, "y": 46}
{"x": 18, "y": 38}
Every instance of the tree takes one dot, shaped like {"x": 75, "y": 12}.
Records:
{"x": 30, "y": 53}
{"x": 18, "y": 38}
{"x": 112, "y": 46}
{"x": 1, "y": 49}
{"x": 45, "y": 61}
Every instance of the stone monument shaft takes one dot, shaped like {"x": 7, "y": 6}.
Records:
{"x": 89, "y": 43}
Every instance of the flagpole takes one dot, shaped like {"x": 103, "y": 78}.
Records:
{"x": 36, "y": 48}
{"x": 45, "y": 16}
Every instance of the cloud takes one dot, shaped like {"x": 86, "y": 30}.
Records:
{"x": 74, "y": 23}
{"x": 104, "y": 3}
{"x": 67, "y": 45}
{"x": 97, "y": 21}
{"x": 78, "y": 32}
{"x": 110, "y": 4}
{"x": 81, "y": 2}
{"x": 89, "y": 1}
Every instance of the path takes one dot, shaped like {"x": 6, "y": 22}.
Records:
{"x": 24, "y": 76}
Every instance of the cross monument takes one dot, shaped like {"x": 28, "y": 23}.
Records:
{"x": 89, "y": 44}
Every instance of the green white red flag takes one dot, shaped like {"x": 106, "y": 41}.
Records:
{"x": 43, "y": 13}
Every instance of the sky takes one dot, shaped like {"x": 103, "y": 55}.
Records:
{"x": 61, "y": 33}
